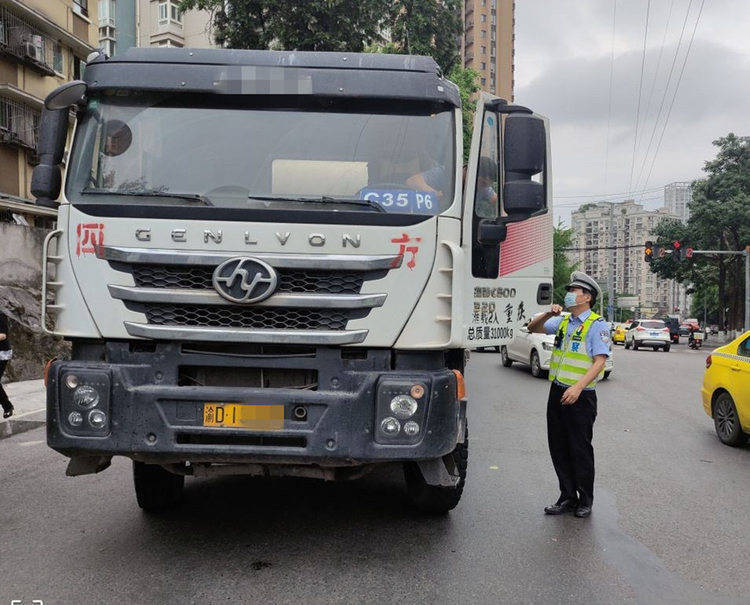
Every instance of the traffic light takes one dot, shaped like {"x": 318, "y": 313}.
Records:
{"x": 648, "y": 251}
{"x": 677, "y": 252}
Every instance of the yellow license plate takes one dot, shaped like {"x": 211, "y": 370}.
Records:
{"x": 238, "y": 415}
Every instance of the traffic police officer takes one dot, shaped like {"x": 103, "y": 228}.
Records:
{"x": 582, "y": 344}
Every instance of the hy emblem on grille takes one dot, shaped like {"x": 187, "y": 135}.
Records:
{"x": 245, "y": 280}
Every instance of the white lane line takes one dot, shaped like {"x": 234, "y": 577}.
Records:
{"x": 27, "y": 443}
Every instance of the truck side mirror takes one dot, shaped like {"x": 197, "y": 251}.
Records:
{"x": 490, "y": 233}
{"x": 525, "y": 160}
{"x": 46, "y": 180}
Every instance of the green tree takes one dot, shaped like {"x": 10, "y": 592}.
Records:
{"x": 317, "y": 25}
{"x": 562, "y": 239}
{"x": 467, "y": 81}
{"x": 427, "y": 27}
{"x": 719, "y": 220}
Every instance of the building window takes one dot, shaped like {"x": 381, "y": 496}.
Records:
{"x": 169, "y": 11}
{"x": 484, "y": 65}
{"x": 483, "y": 33}
{"x": 81, "y": 7}
{"x": 484, "y": 50}
{"x": 106, "y": 13}
{"x": 483, "y": 18}
{"x": 484, "y": 81}
{"x": 163, "y": 12}
{"x": 78, "y": 67}
{"x": 57, "y": 58}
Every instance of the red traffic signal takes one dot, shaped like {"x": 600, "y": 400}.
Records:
{"x": 676, "y": 245}
{"x": 689, "y": 253}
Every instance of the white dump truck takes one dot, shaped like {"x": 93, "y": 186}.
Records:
{"x": 273, "y": 263}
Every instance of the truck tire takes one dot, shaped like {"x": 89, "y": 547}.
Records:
{"x": 433, "y": 499}
{"x": 156, "y": 489}
{"x": 506, "y": 361}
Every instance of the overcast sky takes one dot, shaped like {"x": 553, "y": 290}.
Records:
{"x": 563, "y": 51}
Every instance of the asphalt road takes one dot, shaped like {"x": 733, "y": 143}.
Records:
{"x": 670, "y": 519}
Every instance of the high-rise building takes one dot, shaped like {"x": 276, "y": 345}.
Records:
{"x": 488, "y": 43}
{"x": 117, "y": 25}
{"x": 676, "y": 198}
{"x": 162, "y": 23}
{"x": 633, "y": 226}
{"x": 42, "y": 45}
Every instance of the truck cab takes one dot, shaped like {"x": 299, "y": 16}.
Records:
{"x": 272, "y": 263}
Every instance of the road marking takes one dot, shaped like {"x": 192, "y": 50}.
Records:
{"x": 27, "y": 443}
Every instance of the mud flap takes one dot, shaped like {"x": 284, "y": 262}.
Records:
{"x": 87, "y": 465}
{"x": 435, "y": 472}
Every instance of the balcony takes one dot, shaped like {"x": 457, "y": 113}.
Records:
{"x": 19, "y": 124}
{"x": 22, "y": 42}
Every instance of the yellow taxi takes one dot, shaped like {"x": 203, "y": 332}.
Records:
{"x": 726, "y": 390}
{"x": 619, "y": 334}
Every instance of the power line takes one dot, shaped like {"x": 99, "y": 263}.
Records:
{"x": 677, "y": 87}
{"x": 656, "y": 71}
{"x": 640, "y": 92}
{"x": 609, "y": 102}
{"x": 664, "y": 94}
{"x": 603, "y": 195}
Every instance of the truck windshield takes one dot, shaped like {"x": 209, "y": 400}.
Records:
{"x": 272, "y": 152}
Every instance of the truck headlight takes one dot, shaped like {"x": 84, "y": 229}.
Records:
{"x": 401, "y": 401}
{"x": 84, "y": 401}
{"x": 86, "y": 396}
{"x": 403, "y": 406}
{"x": 390, "y": 426}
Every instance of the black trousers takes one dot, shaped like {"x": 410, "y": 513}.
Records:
{"x": 569, "y": 432}
{"x": 4, "y": 401}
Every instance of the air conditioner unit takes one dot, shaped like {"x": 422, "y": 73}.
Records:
{"x": 31, "y": 51}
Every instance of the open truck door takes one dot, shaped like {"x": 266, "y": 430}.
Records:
{"x": 507, "y": 222}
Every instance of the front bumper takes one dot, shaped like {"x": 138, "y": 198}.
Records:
{"x": 152, "y": 419}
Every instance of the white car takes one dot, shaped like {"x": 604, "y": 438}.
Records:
{"x": 648, "y": 333}
{"x": 530, "y": 348}
{"x": 535, "y": 350}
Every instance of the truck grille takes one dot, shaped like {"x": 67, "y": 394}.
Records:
{"x": 290, "y": 280}
{"x": 315, "y": 297}
{"x": 251, "y": 317}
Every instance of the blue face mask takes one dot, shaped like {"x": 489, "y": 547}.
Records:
{"x": 570, "y": 300}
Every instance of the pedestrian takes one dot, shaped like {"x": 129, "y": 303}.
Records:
{"x": 5, "y": 354}
{"x": 582, "y": 345}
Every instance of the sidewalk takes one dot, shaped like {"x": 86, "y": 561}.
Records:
{"x": 29, "y": 399}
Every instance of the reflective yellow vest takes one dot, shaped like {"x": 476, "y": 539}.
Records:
{"x": 570, "y": 362}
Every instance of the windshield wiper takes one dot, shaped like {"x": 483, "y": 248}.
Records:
{"x": 323, "y": 198}
{"x": 190, "y": 197}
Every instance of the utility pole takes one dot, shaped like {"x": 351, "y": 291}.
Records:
{"x": 611, "y": 280}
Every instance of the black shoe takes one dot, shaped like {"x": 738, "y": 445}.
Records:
{"x": 566, "y": 506}
{"x": 583, "y": 511}
{"x": 8, "y": 413}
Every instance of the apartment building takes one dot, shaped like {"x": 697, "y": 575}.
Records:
{"x": 161, "y": 23}
{"x": 42, "y": 45}
{"x": 488, "y": 44}
{"x": 633, "y": 226}
{"x": 676, "y": 198}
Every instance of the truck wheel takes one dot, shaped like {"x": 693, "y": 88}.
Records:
{"x": 156, "y": 488}
{"x": 506, "y": 361}
{"x": 727, "y": 422}
{"x": 434, "y": 499}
